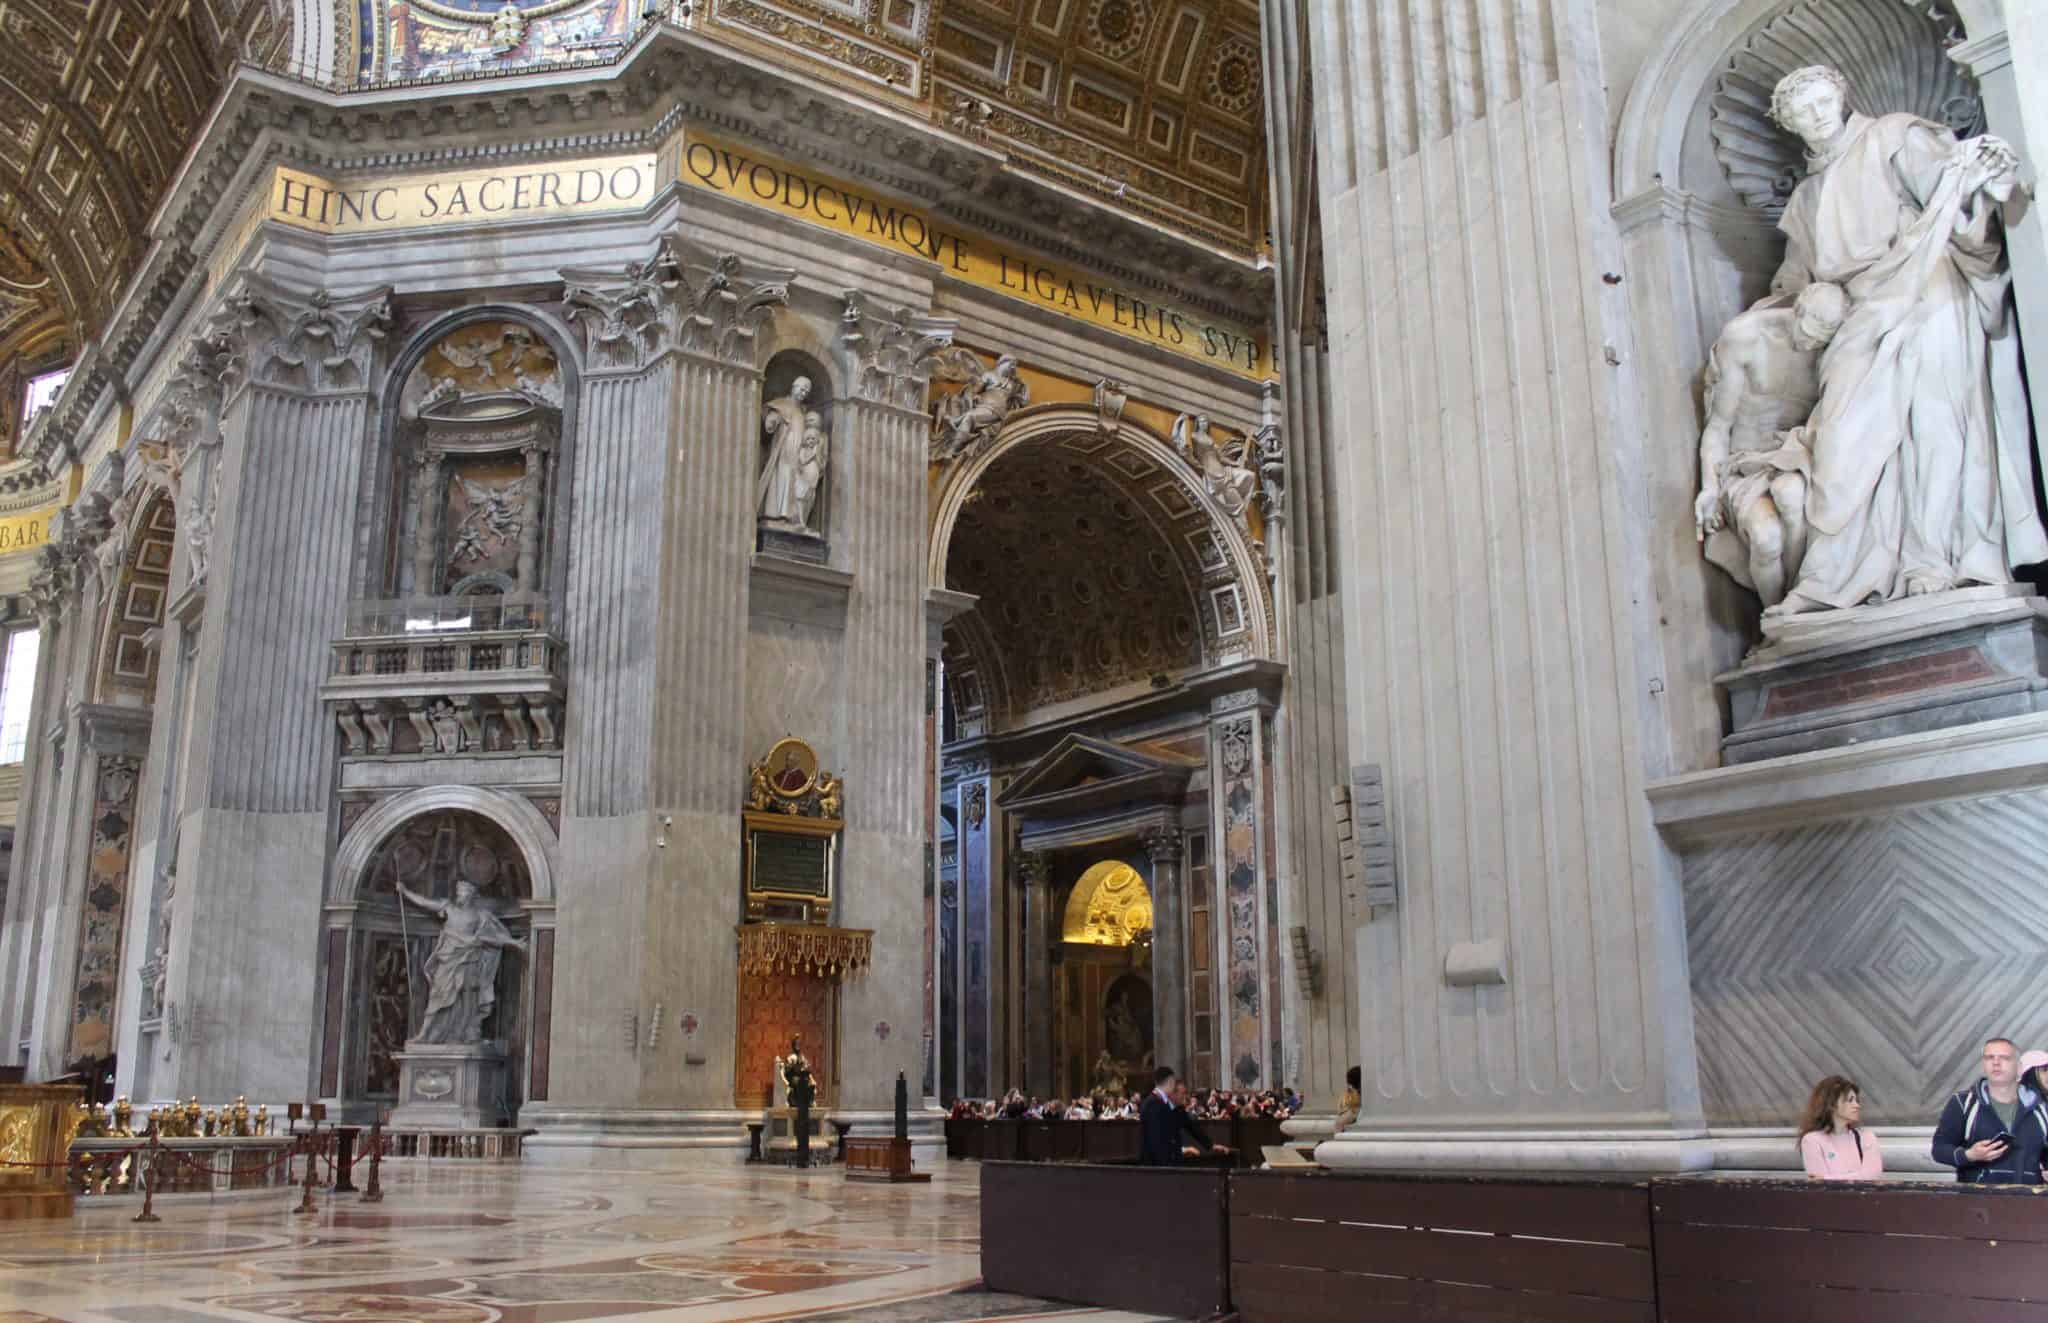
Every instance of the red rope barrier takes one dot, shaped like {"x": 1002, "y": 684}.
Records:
{"x": 193, "y": 1164}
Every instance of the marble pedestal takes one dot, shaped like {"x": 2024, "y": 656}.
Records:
{"x": 792, "y": 543}
{"x": 450, "y": 1086}
{"x": 1833, "y": 678}
{"x": 780, "y": 1145}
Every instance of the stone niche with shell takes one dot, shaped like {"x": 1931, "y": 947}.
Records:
{"x": 482, "y": 426}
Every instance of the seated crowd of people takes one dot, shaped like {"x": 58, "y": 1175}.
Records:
{"x": 1993, "y": 1133}
{"x": 1203, "y": 1105}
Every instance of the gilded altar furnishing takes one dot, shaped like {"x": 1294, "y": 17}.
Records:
{"x": 37, "y": 1123}
{"x": 804, "y": 948}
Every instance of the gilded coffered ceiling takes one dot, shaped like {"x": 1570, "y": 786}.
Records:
{"x": 99, "y": 100}
{"x": 1153, "y": 106}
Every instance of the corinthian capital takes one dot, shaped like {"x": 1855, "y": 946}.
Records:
{"x": 722, "y": 301}
{"x": 627, "y": 315}
{"x": 320, "y": 342}
{"x": 893, "y": 350}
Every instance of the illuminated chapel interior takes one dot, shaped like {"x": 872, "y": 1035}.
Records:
{"x": 549, "y": 552}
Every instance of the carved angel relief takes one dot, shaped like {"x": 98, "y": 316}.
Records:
{"x": 1227, "y": 473}
{"x": 966, "y": 420}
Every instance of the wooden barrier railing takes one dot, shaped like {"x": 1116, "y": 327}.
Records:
{"x": 1307, "y": 1246}
{"x": 1094, "y": 1141}
{"x": 1311, "y": 1246}
{"x": 1152, "y": 1239}
{"x": 1741, "y": 1251}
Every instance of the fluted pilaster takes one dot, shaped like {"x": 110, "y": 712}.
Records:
{"x": 271, "y": 538}
{"x": 881, "y": 459}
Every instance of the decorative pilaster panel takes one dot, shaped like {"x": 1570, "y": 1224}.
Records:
{"x": 1169, "y": 950}
{"x": 1241, "y": 872}
{"x": 880, "y": 460}
{"x": 1035, "y": 882}
{"x": 977, "y": 1024}
{"x": 112, "y": 742}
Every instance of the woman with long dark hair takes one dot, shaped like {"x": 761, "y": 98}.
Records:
{"x": 1832, "y": 1142}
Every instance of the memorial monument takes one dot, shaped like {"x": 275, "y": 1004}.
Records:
{"x": 1867, "y": 466}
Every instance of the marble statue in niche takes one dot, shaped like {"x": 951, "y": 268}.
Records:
{"x": 1916, "y": 456}
{"x": 1763, "y": 379}
{"x": 798, "y": 451}
{"x": 968, "y": 418}
{"x": 1229, "y": 479}
{"x": 462, "y": 970}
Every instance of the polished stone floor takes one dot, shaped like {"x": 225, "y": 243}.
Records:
{"x": 459, "y": 1243}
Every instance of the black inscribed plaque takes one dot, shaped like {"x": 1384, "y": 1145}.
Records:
{"x": 792, "y": 864}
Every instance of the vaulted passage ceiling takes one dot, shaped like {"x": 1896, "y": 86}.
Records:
{"x": 1088, "y": 562}
{"x": 99, "y": 100}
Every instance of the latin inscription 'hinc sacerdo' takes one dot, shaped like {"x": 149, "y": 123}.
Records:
{"x": 609, "y": 184}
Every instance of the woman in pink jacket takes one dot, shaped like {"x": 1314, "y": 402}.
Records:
{"x": 1833, "y": 1145}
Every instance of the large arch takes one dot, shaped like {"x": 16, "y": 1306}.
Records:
{"x": 1053, "y": 423}
{"x": 522, "y": 821}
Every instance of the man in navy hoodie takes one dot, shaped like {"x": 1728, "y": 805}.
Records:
{"x": 1994, "y": 1132}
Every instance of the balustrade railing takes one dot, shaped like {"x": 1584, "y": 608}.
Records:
{"x": 415, "y": 617}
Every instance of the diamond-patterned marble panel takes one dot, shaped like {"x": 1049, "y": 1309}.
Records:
{"x": 1885, "y": 948}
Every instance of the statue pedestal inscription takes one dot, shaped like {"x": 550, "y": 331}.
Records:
{"x": 1920, "y": 663}
{"x": 450, "y": 1086}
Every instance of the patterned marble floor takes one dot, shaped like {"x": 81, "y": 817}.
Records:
{"x": 474, "y": 1244}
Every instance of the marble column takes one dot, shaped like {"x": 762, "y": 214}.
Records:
{"x": 22, "y": 918}
{"x": 426, "y": 551}
{"x": 881, "y": 462}
{"x": 1169, "y": 949}
{"x": 1041, "y": 928}
{"x": 46, "y": 897}
{"x": 974, "y": 1038}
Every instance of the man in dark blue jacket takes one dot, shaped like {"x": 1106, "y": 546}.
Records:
{"x": 1164, "y": 1119}
{"x": 1994, "y": 1132}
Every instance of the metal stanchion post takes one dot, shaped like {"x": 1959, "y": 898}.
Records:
{"x": 306, "y": 1204}
{"x": 155, "y": 1171}
{"x": 373, "y": 1190}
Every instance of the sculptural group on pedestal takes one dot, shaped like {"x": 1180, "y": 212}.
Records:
{"x": 1868, "y": 435}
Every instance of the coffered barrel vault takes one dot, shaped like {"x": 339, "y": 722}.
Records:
{"x": 99, "y": 100}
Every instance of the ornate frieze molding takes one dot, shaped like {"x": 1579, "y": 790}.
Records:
{"x": 893, "y": 350}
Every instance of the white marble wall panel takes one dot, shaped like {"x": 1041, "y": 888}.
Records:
{"x": 1884, "y": 947}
